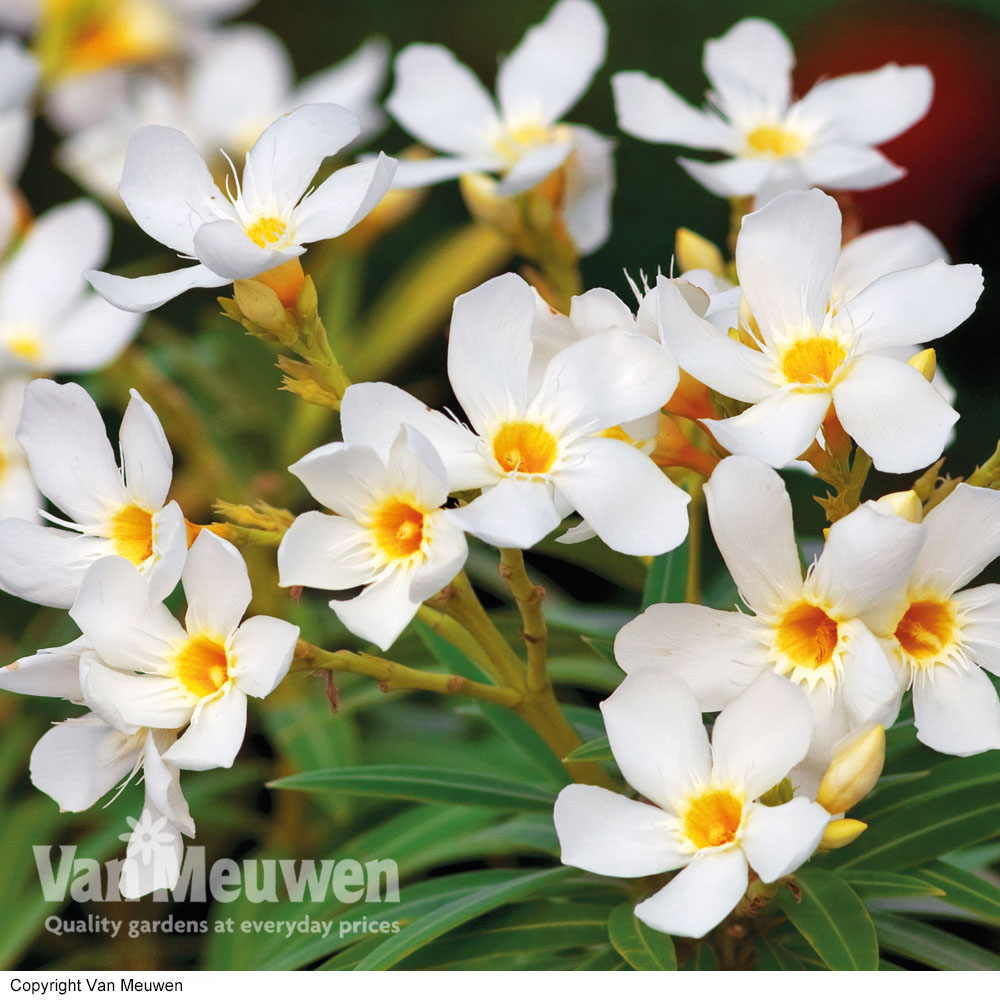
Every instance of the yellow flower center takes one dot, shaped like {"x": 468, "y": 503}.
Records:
{"x": 202, "y": 665}
{"x": 514, "y": 143}
{"x": 926, "y": 629}
{"x": 25, "y": 346}
{"x": 812, "y": 361}
{"x": 713, "y": 818}
{"x": 807, "y": 635}
{"x": 520, "y": 446}
{"x": 132, "y": 534}
{"x": 773, "y": 140}
{"x": 399, "y": 529}
{"x": 266, "y": 230}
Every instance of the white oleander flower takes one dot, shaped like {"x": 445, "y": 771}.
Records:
{"x": 150, "y": 671}
{"x": 388, "y": 534}
{"x": 772, "y": 143}
{"x": 266, "y": 221}
{"x": 703, "y": 815}
{"x": 810, "y": 630}
{"x": 19, "y": 497}
{"x": 239, "y": 82}
{"x": 540, "y": 448}
{"x": 110, "y": 511}
{"x": 802, "y": 351}
{"x": 441, "y": 102}
{"x": 50, "y": 322}
{"x": 942, "y": 637}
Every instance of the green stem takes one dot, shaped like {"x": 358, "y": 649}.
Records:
{"x": 529, "y": 598}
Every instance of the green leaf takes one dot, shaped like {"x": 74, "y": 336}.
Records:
{"x": 932, "y": 946}
{"x": 773, "y": 956}
{"x": 963, "y": 889}
{"x": 460, "y": 911}
{"x": 666, "y": 579}
{"x": 887, "y": 885}
{"x": 422, "y": 784}
{"x": 522, "y": 929}
{"x": 599, "y": 749}
{"x": 605, "y": 960}
{"x": 701, "y": 958}
{"x": 832, "y": 918}
{"x": 605, "y": 648}
{"x": 642, "y": 947}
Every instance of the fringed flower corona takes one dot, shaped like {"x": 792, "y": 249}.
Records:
{"x": 772, "y": 143}
{"x": 703, "y": 815}
{"x": 441, "y": 103}
{"x": 800, "y": 352}
{"x": 50, "y": 322}
{"x": 810, "y": 631}
{"x": 539, "y": 447}
{"x": 389, "y": 533}
{"x": 149, "y": 671}
{"x": 266, "y": 221}
{"x": 110, "y": 511}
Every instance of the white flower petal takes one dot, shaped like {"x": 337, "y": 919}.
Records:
{"x": 751, "y": 519}
{"x": 151, "y": 866}
{"x": 716, "y": 653}
{"x": 533, "y": 167}
{"x": 874, "y": 107}
{"x": 382, "y": 610}
{"x": 440, "y": 101}
{"x": 44, "y": 276}
{"x": 761, "y": 736}
{"x": 348, "y": 479}
{"x": 735, "y": 178}
{"x": 373, "y": 412}
{"x": 778, "y": 839}
{"x": 871, "y": 689}
{"x": 777, "y": 429}
{"x": 553, "y": 65}
{"x": 963, "y": 538}
{"x": 656, "y": 734}
{"x": 167, "y": 188}
{"x": 150, "y": 291}
{"x": 92, "y": 336}
{"x": 489, "y": 350}
{"x": 147, "y": 461}
{"x": 752, "y": 62}
{"x": 284, "y": 160}
{"x": 80, "y": 760}
{"x": 128, "y": 701}
{"x": 45, "y": 565}
{"x": 705, "y": 352}
{"x": 882, "y": 251}
{"x": 648, "y": 109}
{"x": 698, "y": 898}
{"x": 515, "y": 513}
{"x": 785, "y": 257}
{"x": 847, "y": 166}
{"x": 605, "y": 380}
{"x": 624, "y": 497}
{"x": 49, "y": 673}
{"x": 162, "y": 780}
{"x": 893, "y": 413}
{"x": 63, "y": 435}
{"x": 115, "y": 614}
{"x": 445, "y": 557}
{"x": 343, "y": 199}
{"x": 590, "y": 184}
{"x": 170, "y": 549}
{"x": 261, "y": 652}
{"x": 224, "y": 247}
{"x": 324, "y": 551}
{"x": 980, "y": 612}
{"x": 603, "y": 832}
{"x": 420, "y": 173}
{"x": 915, "y": 305}
{"x": 866, "y": 561}
{"x": 956, "y": 710}
{"x": 215, "y": 735}
{"x": 216, "y": 585}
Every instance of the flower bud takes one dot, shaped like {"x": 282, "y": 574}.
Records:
{"x": 925, "y": 362}
{"x": 840, "y": 833}
{"x": 695, "y": 253}
{"x": 857, "y": 763}
{"x": 906, "y": 505}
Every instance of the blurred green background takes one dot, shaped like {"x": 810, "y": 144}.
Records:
{"x": 955, "y": 180}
